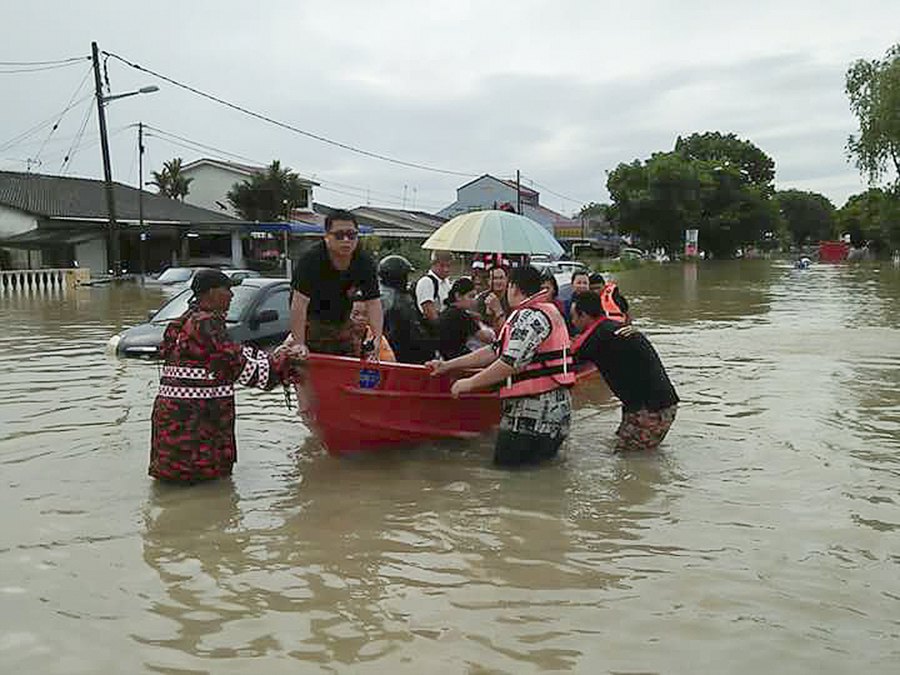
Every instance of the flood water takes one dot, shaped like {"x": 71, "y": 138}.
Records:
{"x": 763, "y": 537}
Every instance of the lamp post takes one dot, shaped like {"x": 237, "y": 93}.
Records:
{"x": 104, "y": 148}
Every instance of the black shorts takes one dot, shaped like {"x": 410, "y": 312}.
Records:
{"x": 517, "y": 449}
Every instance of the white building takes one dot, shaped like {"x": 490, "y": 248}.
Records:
{"x": 212, "y": 179}
{"x": 489, "y": 192}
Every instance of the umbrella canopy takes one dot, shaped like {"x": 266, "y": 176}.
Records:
{"x": 493, "y": 232}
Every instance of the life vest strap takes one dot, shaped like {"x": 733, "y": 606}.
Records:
{"x": 533, "y": 373}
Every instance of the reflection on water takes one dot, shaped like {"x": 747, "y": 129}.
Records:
{"x": 763, "y": 535}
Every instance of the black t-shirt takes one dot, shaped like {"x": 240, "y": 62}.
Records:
{"x": 455, "y": 327}
{"x": 631, "y": 368}
{"x": 330, "y": 291}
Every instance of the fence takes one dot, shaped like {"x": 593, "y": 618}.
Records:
{"x": 40, "y": 281}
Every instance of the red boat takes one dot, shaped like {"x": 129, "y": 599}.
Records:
{"x": 358, "y": 406}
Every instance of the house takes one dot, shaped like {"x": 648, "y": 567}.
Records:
{"x": 489, "y": 192}
{"x": 212, "y": 179}
{"x": 61, "y": 221}
{"x": 398, "y": 223}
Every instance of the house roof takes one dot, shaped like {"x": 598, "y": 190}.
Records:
{"x": 398, "y": 220}
{"x": 509, "y": 183}
{"x": 68, "y": 198}
{"x": 242, "y": 169}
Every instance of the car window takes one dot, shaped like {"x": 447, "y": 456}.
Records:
{"x": 278, "y": 300}
{"x": 243, "y": 296}
{"x": 175, "y": 275}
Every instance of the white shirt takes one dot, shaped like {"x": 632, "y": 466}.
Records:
{"x": 425, "y": 291}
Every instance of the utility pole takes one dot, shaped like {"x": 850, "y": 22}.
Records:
{"x": 518, "y": 192}
{"x": 142, "y": 235}
{"x": 113, "y": 236}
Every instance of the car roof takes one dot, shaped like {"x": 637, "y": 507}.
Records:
{"x": 263, "y": 282}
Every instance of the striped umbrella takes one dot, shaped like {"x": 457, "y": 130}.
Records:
{"x": 493, "y": 232}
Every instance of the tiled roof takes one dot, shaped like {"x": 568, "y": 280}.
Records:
{"x": 85, "y": 199}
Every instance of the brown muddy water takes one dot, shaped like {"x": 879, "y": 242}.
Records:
{"x": 763, "y": 537}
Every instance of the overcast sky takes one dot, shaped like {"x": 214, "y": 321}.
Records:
{"x": 562, "y": 90}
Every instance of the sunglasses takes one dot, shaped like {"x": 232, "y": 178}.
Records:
{"x": 349, "y": 235}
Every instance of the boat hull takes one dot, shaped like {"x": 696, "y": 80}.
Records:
{"x": 357, "y": 406}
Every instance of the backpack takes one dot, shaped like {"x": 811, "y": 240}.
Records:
{"x": 436, "y": 296}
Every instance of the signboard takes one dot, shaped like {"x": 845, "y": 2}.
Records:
{"x": 691, "y": 243}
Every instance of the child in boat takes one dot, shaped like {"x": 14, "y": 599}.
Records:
{"x": 362, "y": 336}
{"x": 459, "y": 328}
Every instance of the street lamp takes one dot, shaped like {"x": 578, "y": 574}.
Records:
{"x": 104, "y": 147}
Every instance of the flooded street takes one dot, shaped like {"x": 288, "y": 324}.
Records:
{"x": 763, "y": 537}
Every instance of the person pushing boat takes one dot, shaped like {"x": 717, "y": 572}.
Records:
{"x": 532, "y": 362}
{"x": 629, "y": 364}
{"x": 192, "y": 427}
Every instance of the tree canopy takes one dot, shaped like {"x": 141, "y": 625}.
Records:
{"x": 718, "y": 184}
{"x": 873, "y": 88}
{"x": 809, "y": 216}
{"x": 269, "y": 196}
{"x": 170, "y": 182}
{"x": 871, "y": 216}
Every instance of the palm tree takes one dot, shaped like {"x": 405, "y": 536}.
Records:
{"x": 170, "y": 182}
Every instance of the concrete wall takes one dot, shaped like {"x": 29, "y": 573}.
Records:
{"x": 210, "y": 185}
{"x": 12, "y": 222}
{"x": 92, "y": 255}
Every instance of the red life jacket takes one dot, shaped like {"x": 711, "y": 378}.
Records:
{"x": 552, "y": 365}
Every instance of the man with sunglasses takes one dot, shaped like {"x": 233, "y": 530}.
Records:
{"x": 326, "y": 281}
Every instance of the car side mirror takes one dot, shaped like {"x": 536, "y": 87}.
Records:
{"x": 265, "y": 316}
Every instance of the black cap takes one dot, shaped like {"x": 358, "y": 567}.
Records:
{"x": 596, "y": 279}
{"x": 206, "y": 280}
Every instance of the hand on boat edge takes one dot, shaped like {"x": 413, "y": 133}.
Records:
{"x": 460, "y": 387}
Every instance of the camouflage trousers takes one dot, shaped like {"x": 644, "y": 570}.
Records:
{"x": 644, "y": 430}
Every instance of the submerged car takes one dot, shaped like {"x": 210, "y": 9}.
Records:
{"x": 259, "y": 314}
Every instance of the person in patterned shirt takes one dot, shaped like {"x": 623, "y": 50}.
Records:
{"x": 532, "y": 363}
{"x": 192, "y": 433}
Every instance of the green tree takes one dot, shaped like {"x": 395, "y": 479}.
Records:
{"x": 809, "y": 216}
{"x": 871, "y": 216}
{"x": 873, "y": 88}
{"x": 659, "y": 199}
{"x": 754, "y": 167}
{"x": 171, "y": 182}
{"x": 268, "y": 196}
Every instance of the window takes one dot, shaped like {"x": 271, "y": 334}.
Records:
{"x": 277, "y": 300}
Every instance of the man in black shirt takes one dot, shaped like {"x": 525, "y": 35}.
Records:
{"x": 631, "y": 368}
{"x": 326, "y": 280}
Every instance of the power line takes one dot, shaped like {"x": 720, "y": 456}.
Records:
{"x": 36, "y": 69}
{"x": 290, "y": 127}
{"x": 71, "y": 59}
{"x": 190, "y": 144}
{"x": 73, "y": 150}
{"x": 63, "y": 113}
{"x": 556, "y": 194}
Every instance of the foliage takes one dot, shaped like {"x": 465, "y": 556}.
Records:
{"x": 411, "y": 249}
{"x": 754, "y": 167}
{"x": 809, "y": 216}
{"x": 660, "y": 198}
{"x": 873, "y": 88}
{"x": 872, "y": 216}
{"x": 269, "y": 196}
{"x": 170, "y": 182}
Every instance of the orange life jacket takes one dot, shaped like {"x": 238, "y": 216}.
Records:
{"x": 552, "y": 365}
{"x": 612, "y": 311}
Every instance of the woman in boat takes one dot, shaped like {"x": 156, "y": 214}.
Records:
{"x": 493, "y": 305}
{"x": 549, "y": 284}
{"x": 192, "y": 429}
{"x": 459, "y": 328}
{"x": 531, "y": 360}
